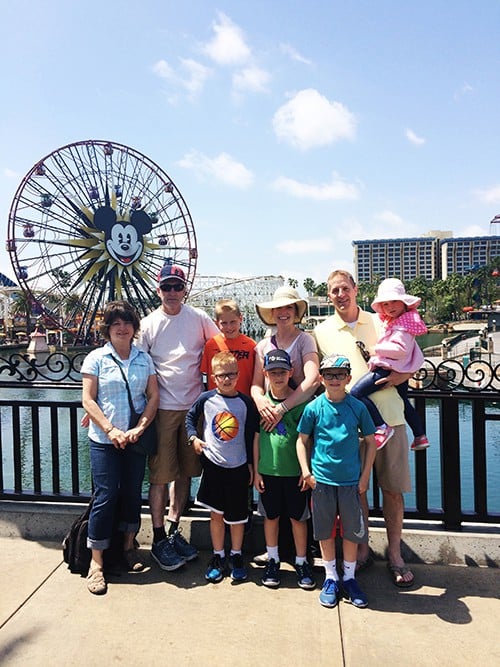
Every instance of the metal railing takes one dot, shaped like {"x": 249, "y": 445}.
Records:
{"x": 44, "y": 451}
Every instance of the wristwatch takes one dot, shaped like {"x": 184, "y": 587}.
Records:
{"x": 191, "y": 439}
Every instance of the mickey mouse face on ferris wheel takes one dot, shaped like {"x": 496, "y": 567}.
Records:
{"x": 123, "y": 238}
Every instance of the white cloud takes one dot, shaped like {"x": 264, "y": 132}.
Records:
{"x": 473, "y": 230}
{"x": 413, "y": 138}
{"x": 163, "y": 70}
{"x": 191, "y": 75}
{"x": 252, "y": 79}
{"x": 222, "y": 168}
{"x": 197, "y": 75}
{"x": 465, "y": 89}
{"x": 309, "y": 119}
{"x": 228, "y": 46}
{"x": 390, "y": 218}
{"x": 489, "y": 196}
{"x": 292, "y": 53}
{"x": 302, "y": 246}
{"x": 335, "y": 190}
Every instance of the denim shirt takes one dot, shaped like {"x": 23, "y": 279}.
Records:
{"x": 112, "y": 396}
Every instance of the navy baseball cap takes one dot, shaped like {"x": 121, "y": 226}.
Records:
{"x": 170, "y": 272}
{"x": 277, "y": 359}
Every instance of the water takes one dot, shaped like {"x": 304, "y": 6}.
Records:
{"x": 433, "y": 453}
{"x": 466, "y": 458}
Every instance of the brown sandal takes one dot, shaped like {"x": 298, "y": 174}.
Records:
{"x": 133, "y": 561}
{"x": 96, "y": 583}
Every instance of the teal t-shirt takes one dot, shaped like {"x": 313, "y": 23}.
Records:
{"x": 335, "y": 429}
{"x": 277, "y": 449}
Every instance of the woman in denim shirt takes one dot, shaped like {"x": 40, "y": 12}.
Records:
{"x": 117, "y": 471}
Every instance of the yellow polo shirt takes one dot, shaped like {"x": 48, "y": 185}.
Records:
{"x": 334, "y": 336}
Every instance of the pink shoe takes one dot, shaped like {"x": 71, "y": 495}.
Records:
{"x": 419, "y": 443}
{"x": 382, "y": 435}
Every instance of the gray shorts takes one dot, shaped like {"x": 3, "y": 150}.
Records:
{"x": 329, "y": 501}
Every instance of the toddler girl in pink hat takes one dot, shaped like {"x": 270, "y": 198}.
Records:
{"x": 396, "y": 350}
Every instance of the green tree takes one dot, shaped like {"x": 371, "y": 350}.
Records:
{"x": 293, "y": 283}
{"x": 309, "y": 286}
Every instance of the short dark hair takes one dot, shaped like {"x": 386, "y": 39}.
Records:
{"x": 119, "y": 310}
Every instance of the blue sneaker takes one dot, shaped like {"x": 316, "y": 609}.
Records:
{"x": 238, "y": 570}
{"x": 182, "y": 546}
{"x": 166, "y": 556}
{"x": 217, "y": 569}
{"x": 271, "y": 576}
{"x": 305, "y": 577}
{"x": 329, "y": 593}
{"x": 353, "y": 593}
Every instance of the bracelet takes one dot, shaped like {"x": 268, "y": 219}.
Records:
{"x": 284, "y": 407}
{"x": 108, "y": 430}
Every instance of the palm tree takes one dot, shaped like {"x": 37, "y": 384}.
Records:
{"x": 309, "y": 286}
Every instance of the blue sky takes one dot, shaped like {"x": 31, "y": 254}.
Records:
{"x": 290, "y": 128}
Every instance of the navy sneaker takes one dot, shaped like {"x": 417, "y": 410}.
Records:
{"x": 182, "y": 546}
{"x": 353, "y": 593}
{"x": 166, "y": 556}
{"x": 238, "y": 570}
{"x": 216, "y": 570}
{"x": 329, "y": 593}
{"x": 271, "y": 576}
{"x": 305, "y": 577}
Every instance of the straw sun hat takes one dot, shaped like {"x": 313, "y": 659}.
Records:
{"x": 284, "y": 296}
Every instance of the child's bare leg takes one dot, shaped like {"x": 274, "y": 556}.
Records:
{"x": 327, "y": 548}
{"x": 350, "y": 550}
{"x": 237, "y": 534}
{"x": 217, "y": 531}
{"x": 271, "y": 533}
{"x": 299, "y": 530}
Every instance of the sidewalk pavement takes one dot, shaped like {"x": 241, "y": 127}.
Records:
{"x": 47, "y": 617}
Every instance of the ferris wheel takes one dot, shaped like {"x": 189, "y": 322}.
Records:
{"x": 92, "y": 222}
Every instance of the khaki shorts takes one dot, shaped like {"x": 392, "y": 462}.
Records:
{"x": 391, "y": 463}
{"x": 175, "y": 457}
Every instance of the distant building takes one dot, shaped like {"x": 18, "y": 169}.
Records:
{"x": 434, "y": 255}
{"x": 461, "y": 254}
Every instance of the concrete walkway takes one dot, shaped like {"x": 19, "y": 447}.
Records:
{"x": 47, "y": 617}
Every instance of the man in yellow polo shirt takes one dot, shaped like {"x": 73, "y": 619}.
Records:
{"x": 353, "y": 332}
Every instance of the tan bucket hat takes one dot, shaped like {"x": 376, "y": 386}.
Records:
{"x": 284, "y": 296}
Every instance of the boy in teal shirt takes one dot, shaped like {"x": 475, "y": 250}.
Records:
{"x": 277, "y": 476}
{"x": 329, "y": 456}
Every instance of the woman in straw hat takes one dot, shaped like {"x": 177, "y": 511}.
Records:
{"x": 284, "y": 312}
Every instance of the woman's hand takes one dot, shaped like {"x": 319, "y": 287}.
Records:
{"x": 133, "y": 434}
{"x": 118, "y": 438}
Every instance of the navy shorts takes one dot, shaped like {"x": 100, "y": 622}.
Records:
{"x": 327, "y": 502}
{"x": 283, "y": 497}
{"x": 224, "y": 490}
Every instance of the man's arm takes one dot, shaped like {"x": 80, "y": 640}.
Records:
{"x": 394, "y": 379}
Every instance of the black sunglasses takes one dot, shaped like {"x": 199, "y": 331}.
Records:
{"x": 168, "y": 287}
